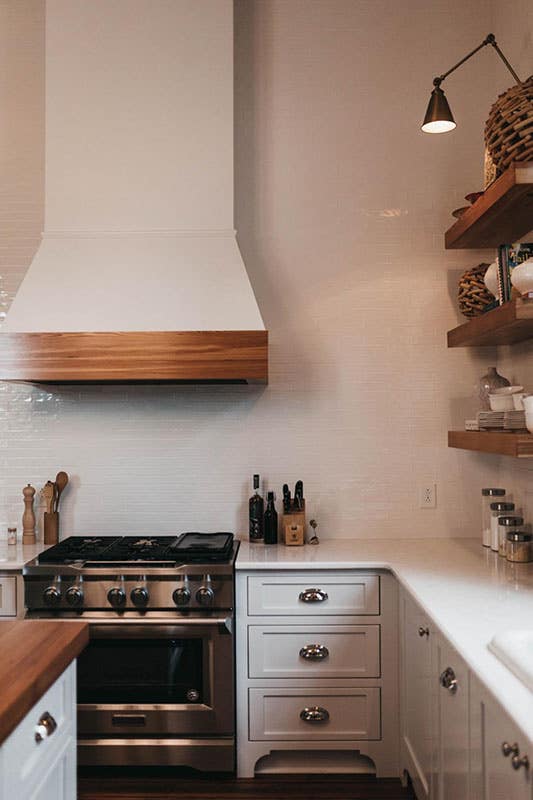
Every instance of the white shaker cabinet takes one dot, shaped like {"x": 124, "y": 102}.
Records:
{"x": 417, "y": 696}
{"x": 451, "y": 747}
{"x": 38, "y": 759}
{"x": 501, "y": 757}
{"x": 457, "y": 743}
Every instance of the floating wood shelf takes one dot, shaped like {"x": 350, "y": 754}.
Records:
{"x": 519, "y": 445}
{"x": 507, "y": 324}
{"x": 131, "y": 357}
{"x": 500, "y": 216}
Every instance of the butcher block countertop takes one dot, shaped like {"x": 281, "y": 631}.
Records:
{"x": 33, "y": 654}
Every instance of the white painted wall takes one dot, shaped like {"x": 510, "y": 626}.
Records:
{"x": 341, "y": 205}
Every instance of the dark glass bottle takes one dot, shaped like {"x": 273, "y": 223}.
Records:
{"x": 256, "y": 513}
{"x": 271, "y": 521}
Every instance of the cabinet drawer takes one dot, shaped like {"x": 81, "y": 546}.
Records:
{"x": 24, "y": 759}
{"x": 8, "y": 597}
{"x": 313, "y": 594}
{"x": 276, "y": 714}
{"x": 333, "y": 651}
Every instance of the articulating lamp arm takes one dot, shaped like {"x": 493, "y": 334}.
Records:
{"x": 490, "y": 39}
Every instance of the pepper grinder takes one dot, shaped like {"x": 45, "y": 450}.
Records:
{"x": 28, "y": 518}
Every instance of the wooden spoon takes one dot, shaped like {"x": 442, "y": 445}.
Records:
{"x": 61, "y": 482}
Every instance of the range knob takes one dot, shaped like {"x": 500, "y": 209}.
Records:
{"x": 52, "y": 596}
{"x": 117, "y": 597}
{"x": 205, "y": 595}
{"x": 181, "y": 596}
{"x": 140, "y": 597}
{"x": 74, "y": 596}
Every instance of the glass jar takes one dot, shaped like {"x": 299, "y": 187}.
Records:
{"x": 497, "y": 510}
{"x": 518, "y": 547}
{"x": 489, "y": 496}
{"x": 506, "y": 525}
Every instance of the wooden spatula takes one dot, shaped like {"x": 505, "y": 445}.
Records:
{"x": 48, "y": 493}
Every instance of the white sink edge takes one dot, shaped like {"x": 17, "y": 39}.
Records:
{"x": 511, "y": 649}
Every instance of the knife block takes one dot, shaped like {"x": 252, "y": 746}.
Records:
{"x": 51, "y": 527}
{"x": 293, "y": 526}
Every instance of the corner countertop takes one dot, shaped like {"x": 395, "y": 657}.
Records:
{"x": 33, "y": 654}
{"x": 13, "y": 557}
{"x": 469, "y": 593}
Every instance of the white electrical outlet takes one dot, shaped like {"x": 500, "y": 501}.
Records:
{"x": 427, "y": 496}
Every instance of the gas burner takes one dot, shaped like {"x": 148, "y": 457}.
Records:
{"x": 190, "y": 548}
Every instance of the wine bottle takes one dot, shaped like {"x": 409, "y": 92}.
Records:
{"x": 256, "y": 513}
{"x": 271, "y": 521}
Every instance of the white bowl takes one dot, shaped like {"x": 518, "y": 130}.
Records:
{"x": 508, "y": 390}
{"x": 491, "y": 278}
{"x": 501, "y": 402}
{"x": 522, "y": 277}
{"x": 529, "y": 421}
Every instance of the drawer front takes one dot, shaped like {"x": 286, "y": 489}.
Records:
{"x": 25, "y": 759}
{"x": 8, "y": 597}
{"x": 313, "y": 594}
{"x": 314, "y": 651}
{"x": 343, "y": 714}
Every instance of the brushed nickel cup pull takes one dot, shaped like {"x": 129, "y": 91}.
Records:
{"x": 518, "y": 762}
{"x": 45, "y": 727}
{"x": 449, "y": 681}
{"x": 510, "y": 749}
{"x": 314, "y": 652}
{"x": 314, "y": 714}
{"x": 313, "y": 596}
{"x": 423, "y": 631}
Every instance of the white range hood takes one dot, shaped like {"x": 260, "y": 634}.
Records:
{"x": 139, "y": 176}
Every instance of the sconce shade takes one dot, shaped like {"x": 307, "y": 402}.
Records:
{"x": 439, "y": 118}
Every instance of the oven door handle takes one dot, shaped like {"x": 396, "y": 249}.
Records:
{"x": 211, "y": 622}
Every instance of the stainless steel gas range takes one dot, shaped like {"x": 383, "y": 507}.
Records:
{"x": 156, "y": 683}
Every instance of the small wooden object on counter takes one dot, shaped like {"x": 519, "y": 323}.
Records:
{"x": 51, "y": 527}
{"x": 28, "y": 518}
{"x": 293, "y": 526}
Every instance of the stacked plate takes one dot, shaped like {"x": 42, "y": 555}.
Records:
{"x": 491, "y": 420}
{"x": 514, "y": 420}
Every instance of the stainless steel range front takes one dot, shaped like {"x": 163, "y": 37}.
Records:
{"x": 156, "y": 683}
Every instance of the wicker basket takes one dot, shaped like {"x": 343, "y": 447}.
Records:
{"x": 509, "y": 128}
{"x": 473, "y": 296}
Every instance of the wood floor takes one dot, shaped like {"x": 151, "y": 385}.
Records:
{"x": 171, "y": 785}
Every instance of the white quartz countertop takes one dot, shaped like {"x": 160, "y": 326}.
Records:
{"x": 13, "y": 557}
{"x": 470, "y": 593}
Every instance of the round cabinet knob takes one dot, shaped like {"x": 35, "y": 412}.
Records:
{"x": 449, "y": 681}
{"x": 117, "y": 597}
{"x": 74, "y": 596}
{"x": 205, "y": 595}
{"x": 510, "y": 749}
{"x": 422, "y": 631}
{"x": 52, "y": 596}
{"x": 139, "y": 597}
{"x": 181, "y": 596}
{"x": 518, "y": 762}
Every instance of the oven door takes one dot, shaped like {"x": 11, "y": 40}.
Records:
{"x": 157, "y": 678}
